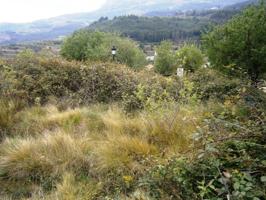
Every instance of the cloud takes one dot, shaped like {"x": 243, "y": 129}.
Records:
{"x": 30, "y": 10}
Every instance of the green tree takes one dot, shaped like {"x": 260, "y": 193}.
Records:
{"x": 240, "y": 43}
{"x": 165, "y": 62}
{"x": 96, "y": 46}
{"x": 75, "y": 46}
{"x": 190, "y": 57}
{"x": 129, "y": 53}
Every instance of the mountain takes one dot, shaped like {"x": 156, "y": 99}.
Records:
{"x": 57, "y": 27}
{"x": 154, "y": 29}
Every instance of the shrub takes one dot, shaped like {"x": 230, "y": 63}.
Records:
{"x": 190, "y": 57}
{"x": 229, "y": 148}
{"x": 165, "y": 62}
{"x": 212, "y": 84}
{"x": 96, "y": 46}
{"x": 240, "y": 43}
{"x": 153, "y": 93}
{"x": 38, "y": 80}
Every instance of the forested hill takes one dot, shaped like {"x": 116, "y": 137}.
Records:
{"x": 177, "y": 26}
{"x": 153, "y": 29}
{"x": 156, "y": 29}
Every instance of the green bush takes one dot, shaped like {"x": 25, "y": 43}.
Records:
{"x": 190, "y": 57}
{"x": 212, "y": 84}
{"x": 227, "y": 159}
{"x": 96, "y": 46}
{"x": 38, "y": 80}
{"x": 152, "y": 92}
{"x": 165, "y": 62}
{"x": 240, "y": 43}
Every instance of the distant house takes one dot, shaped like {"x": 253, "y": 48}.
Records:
{"x": 150, "y": 58}
{"x": 151, "y": 55}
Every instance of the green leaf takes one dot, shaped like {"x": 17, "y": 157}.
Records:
{"x": 236, "y": 186}
{"x": 263, "y": 179}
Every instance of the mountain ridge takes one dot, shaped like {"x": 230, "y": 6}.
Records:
{"x": 57, "y": 27}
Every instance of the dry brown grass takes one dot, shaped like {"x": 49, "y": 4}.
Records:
{"x": 42, "y": 156}
{"x": 91, "y": 141}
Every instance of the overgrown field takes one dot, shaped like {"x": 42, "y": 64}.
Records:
{"x": 76, "y": 131}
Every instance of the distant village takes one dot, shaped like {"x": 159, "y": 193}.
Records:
{"x": 11, "y": 50}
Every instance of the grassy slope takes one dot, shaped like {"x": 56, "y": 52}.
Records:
{"x": 163, "y": 151}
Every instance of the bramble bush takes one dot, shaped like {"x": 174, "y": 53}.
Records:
{"x": 39, "y": 79}
{"x": 227, "y": 160}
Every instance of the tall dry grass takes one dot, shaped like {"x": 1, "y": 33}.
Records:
{"x": 61, "y": 146}
{"x": 47, "y": 155}
{"x": 8, "y": 110}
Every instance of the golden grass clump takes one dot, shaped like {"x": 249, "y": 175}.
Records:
{"x": 71, "y": 189}
{"x": 172, "y": 131}
{"x": 168, "y": 131}
{"x": 122, "y": 152}
{"x": 41, "y": 157}
{"x": 66, "y": 120}
{"x": 117, "y": 122}
{"x": 37, "y": 120}
{"x": 8, "y": 110}
{"x": 91, "y": 142}
{"x": 29, "y": 122}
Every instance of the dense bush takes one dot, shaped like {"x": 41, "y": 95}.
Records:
{"x": 240, "y": 43}
{"x": 212, "y": 84}
{"x": 190, "y": 57}
{"x": 37, "y": 80}
{"x": 165, "y": 62}
{"x": 228, "y": 159}
{"x": 168, "y": 60}
{"x": 97, "y": 46}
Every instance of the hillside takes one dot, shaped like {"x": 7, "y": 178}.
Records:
{"x": 158, "y": 26}
{"x": 97, "y": 123}
{"x": 153, "y": 29}
{"x": 176, "y": 25}
{"x": 75, "y": 131}
{"x": 57, "y": 27}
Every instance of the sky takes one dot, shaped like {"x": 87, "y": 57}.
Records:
{"x": 19, "y": 11}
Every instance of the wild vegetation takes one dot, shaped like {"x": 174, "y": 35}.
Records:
{"x": 96, "y": 46}
{"x": 89, "y": 128}
{"x": 188, "y": 56}
{"x": 240, "y": 44}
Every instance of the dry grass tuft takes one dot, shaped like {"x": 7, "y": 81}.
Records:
{"x": 41, "y": 157}
{"x": 122, "y": 152}
{"x": 8, "y": 109}
{"x": 172, "y": 131}
{"x": 67, "y": 120}
{"x": 91, "y": 142}
{"x": 71, "y": 189}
